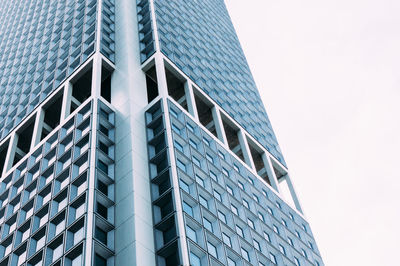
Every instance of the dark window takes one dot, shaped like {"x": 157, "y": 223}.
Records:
{"x": 99, "y": 260}
{"x": 102, "y": 166}
{"x": 103, "y": 147}
{"x": 169, "y": 234}
{"x": 151, "y": 82}
{"x": 106, "y": 84}
{"x": 101, "y": 235}
{"x": 167, "y": 209}
{"x": 81, "y": 89}
{"x": 104, "y": 130}
{"x": 102, "y": 210}
{"x": 102, "y": 187}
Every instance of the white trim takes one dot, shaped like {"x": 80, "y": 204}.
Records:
{"x": 161, "y": 75}
{"x": 96, "y": 76}
{"x": 163, "y": 92}
{"x": 98, "y": 25}
{"x": 154, "y": 25}
{"x": 107, "y": 61}
{"x": 91, "y": 186}
{"x": 175, "y": 183}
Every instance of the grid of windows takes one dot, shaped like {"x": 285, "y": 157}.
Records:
{"x": 251, "y": 208}
{"x": 43, "y": 202}
{"x": 209, "y": 52}
{"x": 41, "y": 43}
{"x": 107, "y": 29}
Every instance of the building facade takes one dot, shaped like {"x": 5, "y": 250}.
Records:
{"x": 132, "y": 133}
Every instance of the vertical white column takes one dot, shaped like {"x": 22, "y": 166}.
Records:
{"x": 134, "y": 229}
{"x": 66, "y": 101}
{"x": 91, "y": 187}
{"x": 245, "y": 149}
{"x": 12, "y": 147}
{"x": 98, "y": 26}
{"x": 218, "y": 125}
{"x": 175, "y": 184}
{"x": 161, "y": 76}
{"x": 96, "y": 76}
{"x": 95, "y": 92}
{"x": 38, "y": 127}
{"x": 154, "y": 24}
{"x": 163, "y": 92}
{"x": 191, "y": 102}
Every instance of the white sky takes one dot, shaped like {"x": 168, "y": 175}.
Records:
{"x": 329, "y": 75}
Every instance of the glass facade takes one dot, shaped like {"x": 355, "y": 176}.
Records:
{"x": 41, "y": 43}
{"x": 225, "y": 223}
{"x": 45, "y": 200}
{"x": 199, "y": 38}
{"x": 132, "y": 133}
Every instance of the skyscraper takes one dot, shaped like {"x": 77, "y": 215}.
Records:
{"x": 132, "y": 133}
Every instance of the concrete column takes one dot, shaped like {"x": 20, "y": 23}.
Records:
{"x": 161, "y": 76}
{"x": 245, "y": 149}
{"x": 134, "y": 233}
{"x": 66, "y": 101}
{"x": 218, "y": 125}
{"x": 12, "y": 147}
{"x": 191, "y": 102}
{"x": 96, "y": 75}
{"x": 38, "y": 127}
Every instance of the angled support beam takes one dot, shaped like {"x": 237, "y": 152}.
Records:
{"x": 270, "y": 172}
{"x": 216, "y": 115}
{"x": 191, "y": 102}
{"x": 66, "y": 102}
{"x": 38, "y": 127}
{"x": 245, "y": 149}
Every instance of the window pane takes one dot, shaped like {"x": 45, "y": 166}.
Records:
{"x": 272, "y": 257}
{"x": 77, "y": 261}
{"x": 194, "y": 260}
{"x": 100, "y": 261}
{"x": 245, "y": 254}
{"x": 203, "y": 201}
{"x": 184, "y": 186}
{"x": 212, "y": 249}
{"x": 208, "y": 225}
{"x": 226, "y": 239}
{"x": 187, "y": 208}
{"x": 191, "y": 233}
{"x": 231, "y": 262}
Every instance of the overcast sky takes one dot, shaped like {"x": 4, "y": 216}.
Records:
{"x": 329, "y": 75}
